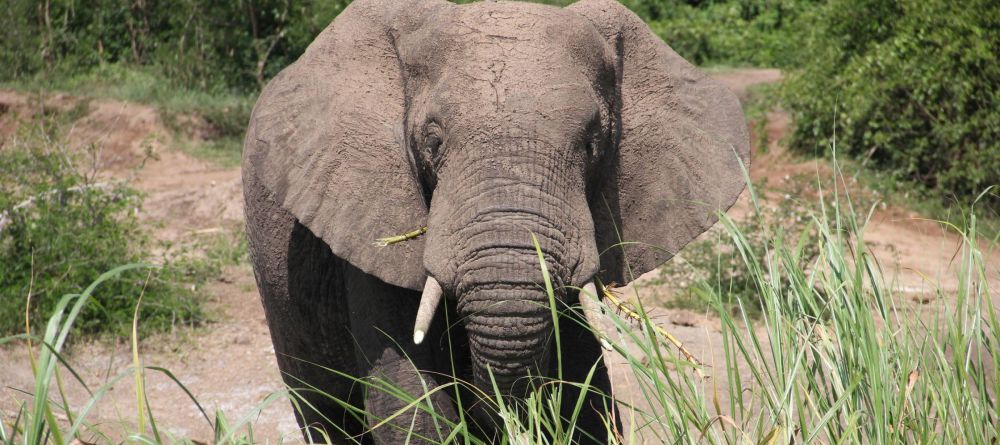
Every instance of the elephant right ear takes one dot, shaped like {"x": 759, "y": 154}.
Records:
{"x": 326, "y": 141}
{"x": 682, "y": 145}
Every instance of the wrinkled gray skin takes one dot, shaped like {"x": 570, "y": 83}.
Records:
{"x": 486, "y": 123}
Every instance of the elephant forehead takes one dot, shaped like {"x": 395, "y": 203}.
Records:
{"x": 509, "y": 39}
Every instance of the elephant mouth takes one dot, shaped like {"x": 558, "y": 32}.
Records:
{"x": 431, "y": 298}
{"x": 517, "y": 340}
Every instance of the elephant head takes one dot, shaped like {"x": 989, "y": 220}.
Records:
{"x": 488, "y": 123}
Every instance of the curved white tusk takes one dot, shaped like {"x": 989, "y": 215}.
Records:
{"x": 429, "y": 302}
{"x": 593, "y": 311}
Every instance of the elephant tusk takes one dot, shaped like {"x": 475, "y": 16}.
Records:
{"x": 429, "y": 302}
{"x": 593, "y": 311}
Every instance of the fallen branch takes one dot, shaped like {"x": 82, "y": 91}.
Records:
{"x": 624, "y": 309}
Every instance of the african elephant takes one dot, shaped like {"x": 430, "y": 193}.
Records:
{"x": 485, "y": 123}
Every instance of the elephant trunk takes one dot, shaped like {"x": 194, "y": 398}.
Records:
{"x": 480, "y": 248}
{"x": 509, "y": 331}
{"x": 506, "y": 309}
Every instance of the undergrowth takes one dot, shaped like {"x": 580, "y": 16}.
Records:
{"x": 62, "y": 222}
{"x": 913, "y": 87}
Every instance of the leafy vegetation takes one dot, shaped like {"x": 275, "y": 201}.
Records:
{"x": 733, "y": 33}
{"x": 909, "y": 87}
{"x": 63, "y": 224}
{"x": 205, "y": 46}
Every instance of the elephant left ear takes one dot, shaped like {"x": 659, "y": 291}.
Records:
{"x": 682, "y": 139}
{"x": 325, "y": 140}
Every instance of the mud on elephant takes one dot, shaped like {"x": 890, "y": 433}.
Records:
{"x": 485, "y": 123}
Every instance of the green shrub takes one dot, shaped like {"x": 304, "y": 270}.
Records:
{"x": 910, "y": 87}
{"x": 60, "y": 228}
{"x": 209, "y": 46}
{"x": 737, "y": 33}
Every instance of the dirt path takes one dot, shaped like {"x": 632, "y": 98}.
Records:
{"x": 228, "y": 365}
{"x": 740, "y": 80}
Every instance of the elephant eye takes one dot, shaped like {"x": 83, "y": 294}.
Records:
{"x": 594, "y": 135}
{"x": 432, "y": 140}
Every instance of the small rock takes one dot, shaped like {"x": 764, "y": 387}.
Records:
{"x": 684, "y": 318}
{"x": 241, "y": 339}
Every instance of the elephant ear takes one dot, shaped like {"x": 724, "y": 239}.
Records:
{"x": 325, "y": 140}
{"x": 681, "y": 140}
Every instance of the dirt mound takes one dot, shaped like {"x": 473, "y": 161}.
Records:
{"x": 131, "y": 142}
{"x": 122, "y": 134}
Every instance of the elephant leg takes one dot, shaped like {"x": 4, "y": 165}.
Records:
{"x": 301, "y": 290}
{"x": 382, "y": 325}
{"x": 581, "y": 351}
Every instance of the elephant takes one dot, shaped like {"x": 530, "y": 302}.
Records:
{"x": 483, "y": 131}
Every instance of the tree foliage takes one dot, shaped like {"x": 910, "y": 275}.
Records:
{"x": 735, "y": 33}
{"x": 195, "y": 43}
{"x": 208, "y": 45}
{"x": 911, "y": 86}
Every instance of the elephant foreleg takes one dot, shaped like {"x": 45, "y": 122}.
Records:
{"x": 382, "y": 325}
{"x": 599, "y": 413}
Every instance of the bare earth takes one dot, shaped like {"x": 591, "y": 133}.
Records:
{"x": 228, "y": 365}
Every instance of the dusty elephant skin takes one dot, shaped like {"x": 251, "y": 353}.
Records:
{"x": 485, "y": 123}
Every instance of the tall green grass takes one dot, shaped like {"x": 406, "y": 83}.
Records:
{"x": 835, "y": 355}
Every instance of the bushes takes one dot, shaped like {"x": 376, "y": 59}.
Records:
{"x": 737, "y": 33}
{"x": 725, "y": 32}
{"x": 59, "y": 229}
{"x": 203, "y": 45}
{"x": 910, "y": 87}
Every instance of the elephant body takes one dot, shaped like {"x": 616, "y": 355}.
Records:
{"x": 325, "y": 314}
{"x": 496, "y": 126}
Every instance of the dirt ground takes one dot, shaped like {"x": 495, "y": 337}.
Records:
{"x": 228, "y": 365}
